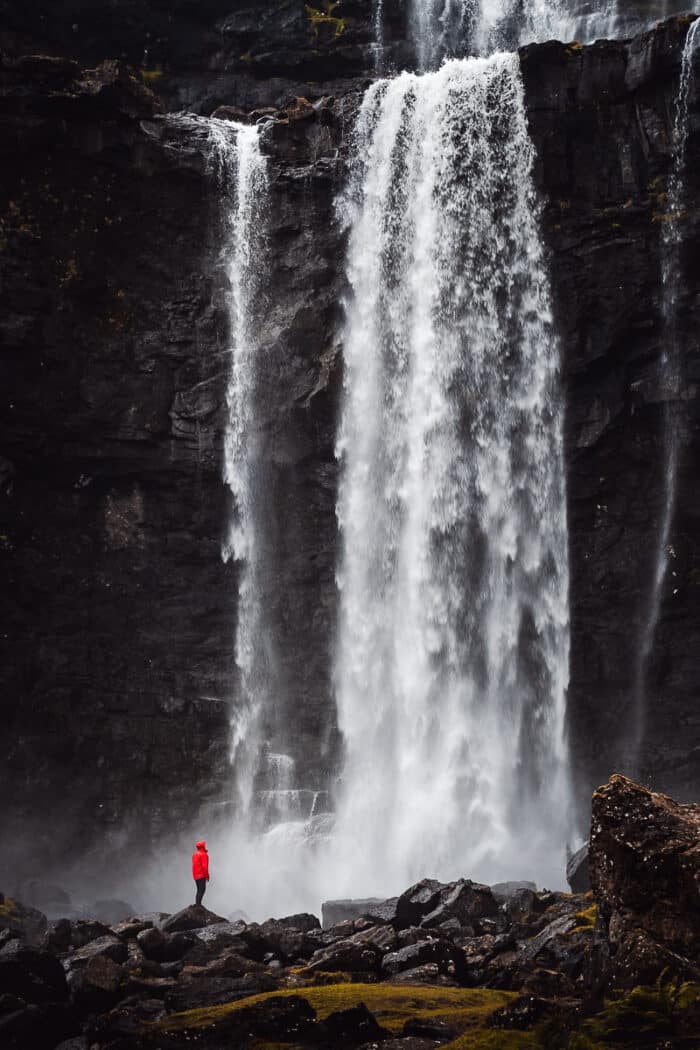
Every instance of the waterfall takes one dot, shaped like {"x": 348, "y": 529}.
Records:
{"x": 457, "y": 28}
{"x": 452, "y": 663}
{"x": 241, "y": 174}
{"x": 671, "y": 367}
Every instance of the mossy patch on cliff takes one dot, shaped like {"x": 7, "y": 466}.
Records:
{"x": 321, "y": 17}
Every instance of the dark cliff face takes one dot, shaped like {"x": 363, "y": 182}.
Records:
{"x": 120, "y": 614}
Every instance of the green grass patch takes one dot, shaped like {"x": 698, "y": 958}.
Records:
{"x": 392, "y": 1005}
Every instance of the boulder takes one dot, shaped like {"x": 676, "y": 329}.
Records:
{"x": 24, "y": 922}
{"x": 194, "y": 917}
{"x": 82, "y": 931}
{"x": 467, "y": 902}
{"x": 303, "y": 921}
{"x": 645, "y": 871}
{"x": 38, "y": 1027}
{"x": 334, "y": 912}
{"x": 109, "y": 946}
{"x": 191, "y": 991}
{"x": 347, "y": 957}
{"x": 447, "y": 956}
{"x": 350, "y": 1027}
{"x": 427, "y": 974}
{"x": 129, "y": 929}
{"x": 97, "y": 986}
{"x": 504, "y": 891}
{"x": 34, "y": 975}
{"x": 163, "y": 947}
{"x": 577, "y": 873}
{"x": 418, "y": 900}
{"x": 57, "y": 937}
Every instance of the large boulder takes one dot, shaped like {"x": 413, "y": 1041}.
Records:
{"x": 645, "y": 874}
{"x": 194, "y": 917}
{"x": 32, "y": 974}
{"x": 447, "y": 956}
{"x": 109, "y": 946}
{"x": 466, "y": 901}
{"x": 346, "y": 957}
{"x": 164, "y": 947}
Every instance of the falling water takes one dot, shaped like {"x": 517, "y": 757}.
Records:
{"x": 671, "y": 381}
{"x": 457, "y": 28}
{"x": 241, "y": 172}
{"x": 452, "y": 663}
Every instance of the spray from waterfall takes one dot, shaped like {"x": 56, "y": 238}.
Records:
{"x": 452, "y": 663}
{"x": 671, "y": 366}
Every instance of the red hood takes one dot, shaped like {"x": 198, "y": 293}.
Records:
{"x": 202, "y": 845}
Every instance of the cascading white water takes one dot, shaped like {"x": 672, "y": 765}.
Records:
{"x": 447, "y": 28}
{"x": 242, "y": 178}
{"x": 452, "y": 662}
{"x": 671, "y": 380}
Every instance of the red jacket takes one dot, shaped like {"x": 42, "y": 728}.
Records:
{"x": 200, "y": 862}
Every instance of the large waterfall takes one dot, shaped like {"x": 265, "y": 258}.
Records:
{"x": 452, "y": 661}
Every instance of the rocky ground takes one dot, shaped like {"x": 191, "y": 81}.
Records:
{"x": 459, "y": 965}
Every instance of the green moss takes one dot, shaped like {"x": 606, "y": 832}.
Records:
{"x": 494, "y": 1039}
{"x": 8, "y": 907}
{"x": 585, "y": 920}
{"x": 151, "y": 76}
{"x": 392, "y": 1005}
{"x": 319, "y": 17}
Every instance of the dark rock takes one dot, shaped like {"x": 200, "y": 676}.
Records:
{"x": 192, "y": 992}
{"x": 304, "y": 921}
{"x": 645, "y": 870}
{"x": 82, "y": 931}
{"x": 426, "y": 974}
{"x": 350, "y": 1027}
{"x": 109, "y": 947}
{"x": 577, "y": 874}
{"x": 129, "y": 929}
{"x": 34, "y": 975}
{"x": 448, "y": 958}
{"x": 505, "y": 891}
{"x": 431, "y": 1028}
{"x": 37, "y": 1027}
{"x": 162, "y": 947}
{"x": 28, "y": 924}
{"x": 417, "y": 901}
{"x": 347, "y": 957}
{"x": 57, "y": 938}
{"x": 466, "y": 901}
{"x": 194, "y": 917}
{"x": 334, "y": 912}
{"x": 97, "y": 986}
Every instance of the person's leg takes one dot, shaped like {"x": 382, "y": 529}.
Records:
{"x": 201, "y": 886}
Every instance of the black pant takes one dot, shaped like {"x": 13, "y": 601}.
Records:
{"x": 201, "y": 885}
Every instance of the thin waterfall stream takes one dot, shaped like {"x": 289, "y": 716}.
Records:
{"x": 671, "y": 365}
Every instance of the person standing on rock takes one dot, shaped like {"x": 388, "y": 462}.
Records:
{"x": 200, "y": 869}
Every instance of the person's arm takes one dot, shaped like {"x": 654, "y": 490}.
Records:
{"x": 206, "y": 866}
